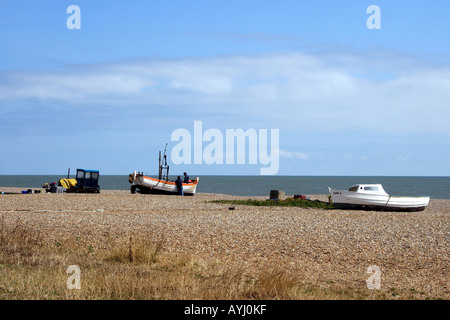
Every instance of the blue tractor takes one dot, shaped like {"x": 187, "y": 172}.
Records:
{"x": 87, "y": 181}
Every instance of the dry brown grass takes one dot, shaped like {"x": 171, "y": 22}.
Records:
{"x": 137, "y": 268}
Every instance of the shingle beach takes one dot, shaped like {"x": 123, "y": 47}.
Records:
{"x": 411, "y": 250}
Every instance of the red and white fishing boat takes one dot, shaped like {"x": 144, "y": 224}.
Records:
{"x": 143, "y": 184}
{"x": 161, "y": 185}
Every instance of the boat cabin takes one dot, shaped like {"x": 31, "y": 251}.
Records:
{"x": 368, "y": 188}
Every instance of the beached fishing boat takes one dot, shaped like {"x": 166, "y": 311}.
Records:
{"x": 143, "y": 184}
{"x": 373, "y": 197}
{"x": 161, "y": 185}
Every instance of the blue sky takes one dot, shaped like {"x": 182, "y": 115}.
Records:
{"x": 346, "y": 100}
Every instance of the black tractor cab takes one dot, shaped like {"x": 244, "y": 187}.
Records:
{"x": 87, "y": 181}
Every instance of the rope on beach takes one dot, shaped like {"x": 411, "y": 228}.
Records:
{"x": 53, "y": 211}
{"x": 387, "y": 202}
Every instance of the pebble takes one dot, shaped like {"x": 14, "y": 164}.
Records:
{"x": 337, "y": 246}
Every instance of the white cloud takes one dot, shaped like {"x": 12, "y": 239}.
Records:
{"x": 384, "y": 93}
{"x": 402, "y": 158}
{"x": 293, "y": 155}
{"x": 301, "y": 156}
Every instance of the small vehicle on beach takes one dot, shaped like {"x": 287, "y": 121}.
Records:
{"x": 86, "y": 181}
{"x": 373, "y": 197}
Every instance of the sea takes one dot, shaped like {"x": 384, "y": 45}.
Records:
{"x": 435, "y": 187}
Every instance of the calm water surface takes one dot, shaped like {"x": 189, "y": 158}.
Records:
{"x": 435, "y": 187}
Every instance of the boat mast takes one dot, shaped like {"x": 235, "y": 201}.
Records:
{"x": 163, "y": 167}
{"x": 160, "y": 166}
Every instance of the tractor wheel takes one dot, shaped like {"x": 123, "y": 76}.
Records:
{"x": 133, "y": 189}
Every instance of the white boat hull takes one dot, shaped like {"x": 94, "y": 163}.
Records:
{"x": 144, "y": 184}
{"x": 343, "y": 199}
